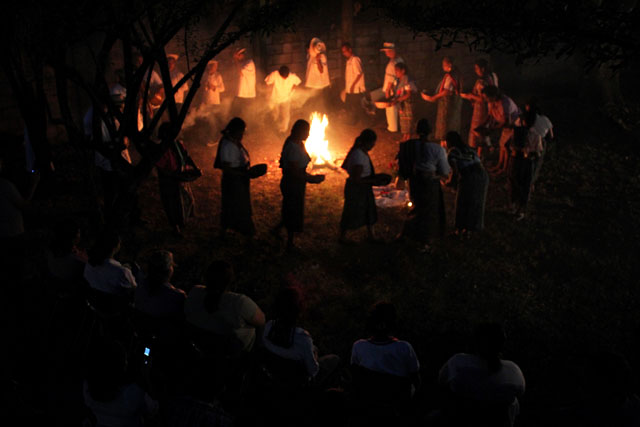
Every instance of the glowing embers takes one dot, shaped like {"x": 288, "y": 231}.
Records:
{"x": 317, "y": 145}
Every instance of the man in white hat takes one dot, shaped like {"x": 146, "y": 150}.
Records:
{"x": 354, "y": 83}
{"x": 213, "y": 84}
{"x": 284, "y": 83}
{"x": 389, "y": 49}
{"x": 246, "y": 83}
{"x": 317, "y": 78}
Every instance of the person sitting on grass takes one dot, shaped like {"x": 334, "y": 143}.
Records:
{"x": 481, "y": 384}
{"x": 384, "y": 353}
{"x": 212, "y": 307}
{"x": 285, "y": 339}
{"x": 156, "y": 296}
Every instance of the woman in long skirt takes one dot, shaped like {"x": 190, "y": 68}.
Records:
{"x": 428, "y": 220}
{"x": 359, "y": 203}
{"x": 175, "y": 191}
{"x": 449, "y": 102}
{"x": 473, "y": 183}
{"x": 233, "y": 159}
{"x": 293, "y": 161}
{"x": 485, "y": 78}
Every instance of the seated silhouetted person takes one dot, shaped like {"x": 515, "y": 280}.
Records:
{"x": 482, "y": 387}
{"x": 114, "y": 399}
{"x": 231, "y": 318}
{"x": 608, "y": 397}
{"x": 66, "y": 261}
{"x": 385, "y": 369}
{"x": 103, "y": 272}
{"x": 156, "y": 296}
{"x": 285, "y": 340}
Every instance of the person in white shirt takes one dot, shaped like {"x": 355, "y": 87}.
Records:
{"x": 354, "y": 84}
{"x": 243, "y": 101}
{"x": 213, "y": 84}
{"x": 103, "y": 272}
{"x": 317, "y": 77}
{"x": 284, "y": 339}
{"x": 482, "y": 377}
{"x": 359, "y": 203}
{"x": 176, "y": 76}
{"x": 543, "y": 127}
{"x": 233, "y": 159}
{"x": 284, "y": 83}
{"x": 389, "y": 49}
{"x": 384, "y": 353}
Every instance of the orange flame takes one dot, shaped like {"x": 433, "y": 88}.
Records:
{"x": 317, "y": 145}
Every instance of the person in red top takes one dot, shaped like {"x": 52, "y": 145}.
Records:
{"x": 175, "y": 170}
{"x": 449, "y": 102}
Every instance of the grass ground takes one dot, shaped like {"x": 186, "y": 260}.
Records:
{"x": 564, "y": 280}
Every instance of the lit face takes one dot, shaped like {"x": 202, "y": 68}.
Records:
{"x": 391, "y": 53}
{"x": 399, "y": 72}
{"x": 213, "y": 68}
{"x": 446, "y": 66}
{"x": 346, "y": 52}
{"x": 240, "y": 56}
{"x": 478, "y": 70}
{"x": 171, "y": 63}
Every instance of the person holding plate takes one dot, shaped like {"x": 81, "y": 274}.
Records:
{"x": 233, "y": 159}
{"x": 293, "y": 161}
{"x": 359, "y": 203}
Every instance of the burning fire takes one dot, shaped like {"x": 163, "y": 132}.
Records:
{"x": 317, "y": 146}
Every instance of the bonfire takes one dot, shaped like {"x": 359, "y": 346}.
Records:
{"x": 317, "y": 144}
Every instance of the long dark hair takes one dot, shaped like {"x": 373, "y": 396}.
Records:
{"x": 234, "y": 125}
{"x": 103, "y": 247}
{"x": 488, "y": 340}
{"x": 286, "y": 308}
{"x": 365, "y": 138}
{"x": 217, "y": 278}
{"x": 454, "y": 140}
{"x": 298, "y": 128}
{"x": 455, "y": 73}
{"x": 106, "y": 372}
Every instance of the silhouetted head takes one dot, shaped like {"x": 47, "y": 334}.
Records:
{"x": 217, "y": 278}
{"x": 161, "y": 268}
{"x": 284, "y": 71}
{"x": 401, "y": 69}
{"x": 481, "y": 67}
{"x": 286, "y": 309}
{"x": 235, "y": 129}
{"x": 454, "y": 140}
{"x": 492, "y": 93}
{"x": 423, "y": 128}
{"x": 488, "y": 340}
{"x": 105, "y": 247}
{"x": 382, "y": 319}
{"x": 366, "y": 140}
{"x": 300, "y": 130}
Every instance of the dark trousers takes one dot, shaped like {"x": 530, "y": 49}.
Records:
{"x": 353, "y": 105}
